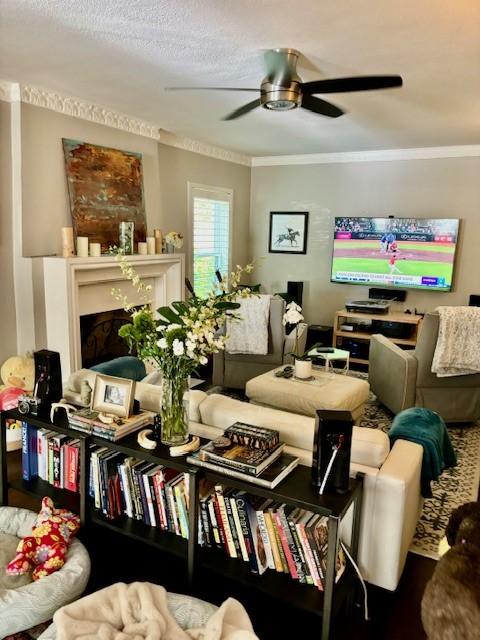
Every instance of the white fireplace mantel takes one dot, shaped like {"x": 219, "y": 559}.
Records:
{"x": 67, "y": 288}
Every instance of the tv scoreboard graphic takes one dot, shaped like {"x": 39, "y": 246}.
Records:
{"x": 358, "y": 277}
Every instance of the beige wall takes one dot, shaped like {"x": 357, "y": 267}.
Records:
{"x": 8, "y": 333}
{"x": 177, "y": 168}
{"x": 44, "y": 187}
{"x": 424, "y": 188}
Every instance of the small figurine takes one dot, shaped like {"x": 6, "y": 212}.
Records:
{"x": 85, "y": 393}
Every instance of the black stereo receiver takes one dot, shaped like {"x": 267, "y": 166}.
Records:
{"x": 392, "y": 329}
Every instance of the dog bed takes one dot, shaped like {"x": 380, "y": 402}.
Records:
{"x": 188, "y": 611}
{"x": 24, "y": 603}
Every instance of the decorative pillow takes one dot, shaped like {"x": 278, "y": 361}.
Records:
{"x": 47, "y": 547}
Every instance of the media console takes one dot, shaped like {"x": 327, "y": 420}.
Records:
{"x": 400, "y": 328}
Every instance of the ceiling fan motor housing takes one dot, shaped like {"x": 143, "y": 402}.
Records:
{"x": 280, "y": 98}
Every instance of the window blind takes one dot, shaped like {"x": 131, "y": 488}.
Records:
{"x": 211, "y": 241}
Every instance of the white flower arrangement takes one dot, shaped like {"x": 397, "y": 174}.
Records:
{"x": 181, "y": 336}
{"x": 175, "y": 239}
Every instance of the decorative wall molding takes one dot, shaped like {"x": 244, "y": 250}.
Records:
{"x": 383, "y": 155}
{"x": 87, "y": 111}
{"x": 187, "y": 144}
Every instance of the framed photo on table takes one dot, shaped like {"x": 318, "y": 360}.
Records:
{"x": 288, "y": 232}
{"x": 113, "y": 395}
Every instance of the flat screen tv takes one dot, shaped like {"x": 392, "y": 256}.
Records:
{"x": 416, "y": 253}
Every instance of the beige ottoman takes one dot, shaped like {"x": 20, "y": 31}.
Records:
{"x": 326, "y": 391}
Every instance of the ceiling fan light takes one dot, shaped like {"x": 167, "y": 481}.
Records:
{"x": 280, "y": 105}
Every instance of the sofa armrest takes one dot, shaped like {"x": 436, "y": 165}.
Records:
{"x": 218, "y": 374}
{"x": 398, "y": 503}
{"x": 392, "y": 374}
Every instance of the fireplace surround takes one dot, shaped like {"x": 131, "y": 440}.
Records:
{"x": 67, "y": 288}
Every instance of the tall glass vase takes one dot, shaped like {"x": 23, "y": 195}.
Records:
{"x": 174, "y": 411}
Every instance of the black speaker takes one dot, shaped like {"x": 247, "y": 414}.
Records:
{"x": 48, "y": 378}
{"x": 333, "y": 435}
{"x": 295, "y": 291}
{"x": 474, "y": 301}
{"x": 400, "y": 295}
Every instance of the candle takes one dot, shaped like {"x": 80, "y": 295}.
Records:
{"x": 150, "y": 245}
{"x": 95, "y": 249}
{"x": 67, "y": 242}
{"x": 142, "y": 248}
{"x": 82, "y": 246}
{"x": 157, "y": 233}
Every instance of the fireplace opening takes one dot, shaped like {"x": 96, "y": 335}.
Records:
{"x": 99, "y": 336}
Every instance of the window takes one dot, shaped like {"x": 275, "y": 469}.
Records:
{"x": 210, "y": 214}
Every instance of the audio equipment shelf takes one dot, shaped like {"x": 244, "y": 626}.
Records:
{"x": 296, "y": 490}
{"x": 357, "y": 341}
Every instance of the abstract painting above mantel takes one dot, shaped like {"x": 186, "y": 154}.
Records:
{"x": 105, "y": 187}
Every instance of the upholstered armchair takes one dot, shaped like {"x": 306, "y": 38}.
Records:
{"x": 234, "y": 369}
{"x": 401, "y": 379}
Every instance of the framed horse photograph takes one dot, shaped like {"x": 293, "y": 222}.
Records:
{"x": 288, "y": 232}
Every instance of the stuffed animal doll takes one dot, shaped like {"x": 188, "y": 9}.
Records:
{"x": 18, "y": 376}
{"x": 451, "y": 602}
{"x": 46, "y": 548}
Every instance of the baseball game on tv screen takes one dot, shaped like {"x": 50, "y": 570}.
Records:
{"x": 399, "y": 252}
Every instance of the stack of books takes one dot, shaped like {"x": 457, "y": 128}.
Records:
{"x": 255, "y": 454}
{"x": 87, "y": 421}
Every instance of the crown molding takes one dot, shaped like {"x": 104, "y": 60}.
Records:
{"x": 9, "y": 91}
{"x": 383, "y": 155}
{"x": 86, "y": 111}
{"x": 187, "y": 144}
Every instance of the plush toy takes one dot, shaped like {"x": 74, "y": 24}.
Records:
{"x": 18, "y": 376}
{"x": 47, "y": 547}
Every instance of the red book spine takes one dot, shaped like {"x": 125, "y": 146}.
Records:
{"x": 221, "y": 526}
{"x": 286, "y": 549}
{"x": 71, "y": 468}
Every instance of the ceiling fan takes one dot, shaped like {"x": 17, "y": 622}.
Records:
{"x": 282, "y": 89}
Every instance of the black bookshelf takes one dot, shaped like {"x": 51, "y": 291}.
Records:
{"x": 296, "y": 489}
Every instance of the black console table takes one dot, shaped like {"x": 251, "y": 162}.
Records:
{"x": 296, "y": 489}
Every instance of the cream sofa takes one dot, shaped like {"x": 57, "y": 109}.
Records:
{"x": 391, "y": 501}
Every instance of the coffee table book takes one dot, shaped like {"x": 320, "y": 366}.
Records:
{"x": 239, "y": 457}
{"x": 269, "y": 478}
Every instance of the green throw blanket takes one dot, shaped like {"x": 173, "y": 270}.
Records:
{"x": 427, "y": 428}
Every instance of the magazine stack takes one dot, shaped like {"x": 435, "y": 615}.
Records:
{"x": 247, "y": 452}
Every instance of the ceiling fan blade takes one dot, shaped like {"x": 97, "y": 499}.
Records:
{"x": 357, "y": 83}
{"x": 241, "y": 111}
{"x": 322, "y": 107}
{"x": 208, "y": 89}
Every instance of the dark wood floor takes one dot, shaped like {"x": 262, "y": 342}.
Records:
{"x": 394, "y": 616}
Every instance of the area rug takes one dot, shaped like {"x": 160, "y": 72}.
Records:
{"x": 454, "y": 487}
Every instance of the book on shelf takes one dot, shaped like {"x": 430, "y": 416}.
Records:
{"x": 269, "y": 478}
{"x": 249, "y": 435}
{"x": 240, "y": 458}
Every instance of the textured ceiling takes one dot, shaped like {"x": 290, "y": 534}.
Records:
{"x": 122, "y": 54}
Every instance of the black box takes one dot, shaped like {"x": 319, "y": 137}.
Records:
{"x": 48, "y": 378}
{"x": 392, "y": 329}
{"x": 319, "y": 333}
{"x": 332, "y": 428}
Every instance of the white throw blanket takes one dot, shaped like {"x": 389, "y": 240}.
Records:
{"x": 458, "y": 345}
{"x": 250, "y": 333}
{"x": 139, "y": 611}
